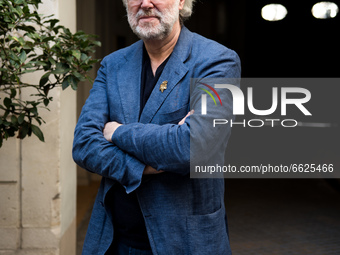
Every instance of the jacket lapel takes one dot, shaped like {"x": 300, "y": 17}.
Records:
{"x": 129, "y": 77}
{"x": 173, "y": 72}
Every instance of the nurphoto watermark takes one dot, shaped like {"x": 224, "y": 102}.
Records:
{"x": 262, "y": 109}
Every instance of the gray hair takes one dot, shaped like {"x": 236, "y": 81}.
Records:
{"x": 184, "y": 14}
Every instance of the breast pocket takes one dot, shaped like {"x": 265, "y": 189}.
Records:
{"x": 173, "y": 117}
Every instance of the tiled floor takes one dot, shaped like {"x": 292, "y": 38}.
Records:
{"x": 277, "y": 217}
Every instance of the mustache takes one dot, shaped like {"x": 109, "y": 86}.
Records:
{"x": 147, "y": 13}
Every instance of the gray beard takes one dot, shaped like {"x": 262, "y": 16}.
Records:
{"x": 161, "y": 31}
{"x": 149, "y": 34}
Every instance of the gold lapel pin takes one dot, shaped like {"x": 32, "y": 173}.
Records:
{"x": 163, "y": 86}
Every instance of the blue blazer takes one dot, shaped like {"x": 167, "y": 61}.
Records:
{"x": 182, "y": 215}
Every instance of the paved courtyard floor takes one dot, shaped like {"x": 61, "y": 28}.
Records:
{"x": 283, "y": 217}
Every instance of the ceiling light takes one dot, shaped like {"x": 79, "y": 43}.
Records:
{"x": 325, "y": 10}
{"x": 274, "y": 12}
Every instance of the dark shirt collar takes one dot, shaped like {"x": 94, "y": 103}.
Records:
{"x": 148, "y": 80}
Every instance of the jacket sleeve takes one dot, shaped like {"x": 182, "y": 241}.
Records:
{"x": 92, "y": 151}
{"x": 167, "y": 147}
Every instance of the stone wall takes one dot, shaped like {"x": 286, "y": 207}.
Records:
{"x": 38, "y": 180}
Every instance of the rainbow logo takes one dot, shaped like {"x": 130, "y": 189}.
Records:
{"x": 209, "y": 93}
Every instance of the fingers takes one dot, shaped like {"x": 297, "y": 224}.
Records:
{"x": 183, "y": 120}
{"x": 109, "y": 129}
{"x": 150, "y": 170}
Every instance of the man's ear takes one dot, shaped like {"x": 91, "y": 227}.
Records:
{"x": 181, "y": 4}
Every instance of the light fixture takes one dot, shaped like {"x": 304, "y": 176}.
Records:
{"x": 325, "y": 10}
{"x": 274, "y": 12}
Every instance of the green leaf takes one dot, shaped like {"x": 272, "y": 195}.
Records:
{"x": 28, "y": 65}
{"x": 46, "y": 89}
{"x": 52, "y": 61}
{"x": 44, "y": 79}
{"x": 97, "y": 43}
{"x": 79, "y": 32}
{"x": 14, "y": 56}
{"x": 13, "y": 93}
{"x": 76, "y": 54}
{"x": 19, "y": 10}
{"x": 36, "y": 130}
{"x": 13, "y": 10}
{"x": 28, "y": 71}
{"x": 11, "y": 131}
{"x": 34, "y": 111}
{"x": 38, "y": 120}
{"x": 21, "y": 118}
{"x": 29, "y": 29}
{"x": 14, "y": 119}
{"x": 23, "y": 57}
{"x": 61, "y": 69}
{"x": 21, "y": 41}
{"x": 7, "y": 102}
{"x": 49, "y": 38}
{"x": 78, "y": 76}
{"x": 19, "y": 1}
{"x": 26, "y": 9}
{"x": 70, "y": 80}
{"x": 29, "y": 47}
{"x": 56, "y": 29}
{"x": 7, "y": 124}
{"x": 53, "y": 22}
{"x": 39, "y": 63}
{"x": 46, "y": 102}
{"x": 74, "y": 82}
{"x": 84, "y": 58}
{"x": 67, "y": 31}
{"x": 23, "y": 131}
{"x": 65, "y": 83}
{"x": 47, "y": 66}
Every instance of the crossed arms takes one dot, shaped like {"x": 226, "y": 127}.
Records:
{"x": 111, "y": 127}
{"x": 136, "y": 148}
{"x": 125, "y": 159}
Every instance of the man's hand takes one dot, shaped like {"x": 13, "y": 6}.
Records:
{"x": 150, "y": 170}
{"x": 183, "y": 120}
{"x": 109, "y": 129}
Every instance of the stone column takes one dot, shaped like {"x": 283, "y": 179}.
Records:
{"x": 38, "y": 180}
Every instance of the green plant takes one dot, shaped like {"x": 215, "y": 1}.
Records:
{"x": 30, "y": 42}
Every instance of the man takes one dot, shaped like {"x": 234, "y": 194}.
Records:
{"x": 134, "y": 131}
